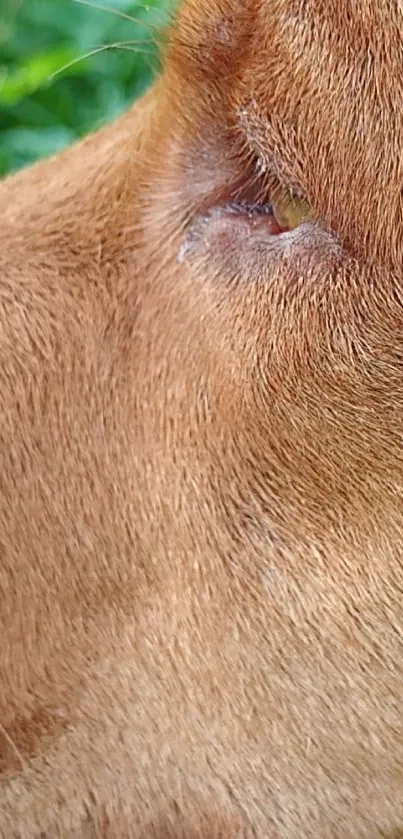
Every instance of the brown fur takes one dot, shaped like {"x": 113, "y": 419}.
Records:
{"x": 201, "y": 509}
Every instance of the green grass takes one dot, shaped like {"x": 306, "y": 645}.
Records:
{"x": 51, "y": 90}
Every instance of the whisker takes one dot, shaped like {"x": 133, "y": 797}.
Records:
{"x": 118, "y": 13}
{"x": 149, "y": 56}
{"x": 158, "y": 29}
{"x": 124, "y": 45}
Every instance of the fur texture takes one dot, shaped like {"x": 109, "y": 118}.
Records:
{"x": 201, "y": 447}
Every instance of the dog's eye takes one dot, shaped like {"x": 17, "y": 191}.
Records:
{"x": 291, "y": 210}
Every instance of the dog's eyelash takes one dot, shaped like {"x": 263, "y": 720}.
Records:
{"x": 263, "y": 193}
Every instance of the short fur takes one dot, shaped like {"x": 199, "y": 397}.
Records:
{"x": 201, "y": 459}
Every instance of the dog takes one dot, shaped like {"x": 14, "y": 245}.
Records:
{"x": 201, "y": 437}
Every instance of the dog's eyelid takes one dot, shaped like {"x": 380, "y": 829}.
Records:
{"x": 274, "y": 154}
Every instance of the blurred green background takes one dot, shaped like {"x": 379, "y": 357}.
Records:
{"x": 51, "y": 90}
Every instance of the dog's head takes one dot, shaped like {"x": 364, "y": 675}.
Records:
{"x": 205, "y": 430}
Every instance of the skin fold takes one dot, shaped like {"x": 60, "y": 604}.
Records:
{"x": 201, "y": 446}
